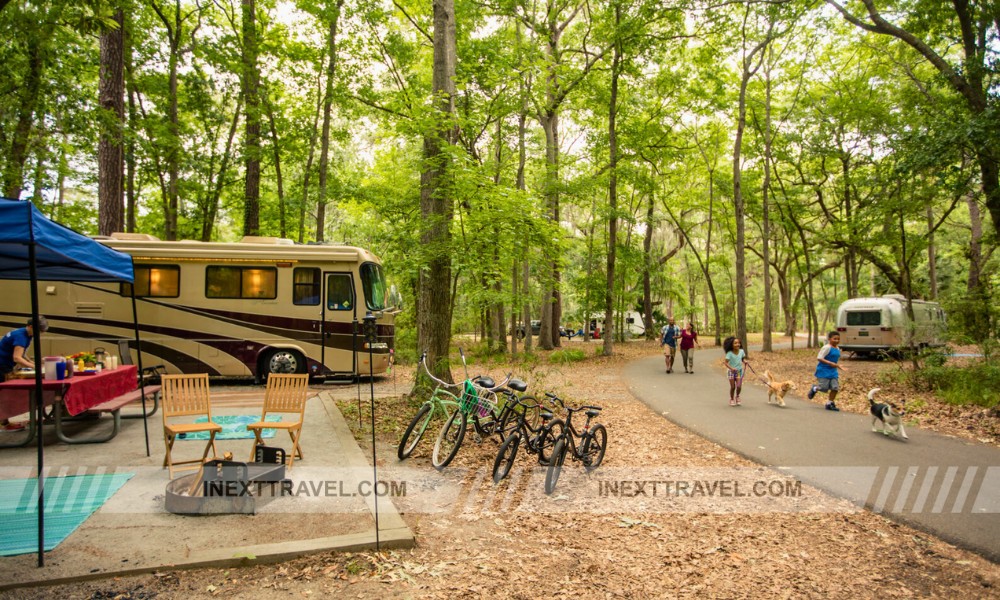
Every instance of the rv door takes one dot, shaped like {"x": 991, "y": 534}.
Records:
{"x": 339, "y": 314}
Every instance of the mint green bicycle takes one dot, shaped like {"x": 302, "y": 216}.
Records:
{"x": 442, "y": 402}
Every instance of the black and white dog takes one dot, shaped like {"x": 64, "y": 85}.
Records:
{"x": 889, "y": 414}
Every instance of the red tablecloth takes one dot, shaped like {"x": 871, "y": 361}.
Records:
{"x": 78, "y": 393}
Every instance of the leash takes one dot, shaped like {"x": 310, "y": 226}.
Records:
{"x": 762, "y": 380}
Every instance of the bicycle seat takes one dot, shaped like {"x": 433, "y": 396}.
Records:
{"x": 485, "y": 382}
{"x": 517, "y": 385}
{"x": 593, "y": 413}
{"x": 546, "y": 415}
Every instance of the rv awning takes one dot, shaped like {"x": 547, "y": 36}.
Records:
{"x": 61, "y": 254}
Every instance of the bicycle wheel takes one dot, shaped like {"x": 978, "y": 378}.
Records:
{"x": 414, "y": 431}
{"x": 449, "y": 440}
{"x": 594, "y": 446}
{"x": 505, "y": 457}
{"x": 547, "y": 440}
{"x": 555, "y": 465}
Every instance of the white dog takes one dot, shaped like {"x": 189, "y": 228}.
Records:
{"x": 889, "y": 414}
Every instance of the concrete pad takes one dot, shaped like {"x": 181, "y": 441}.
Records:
{"x": 133, "y": 533}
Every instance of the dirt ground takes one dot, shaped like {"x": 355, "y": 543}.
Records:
{"x": 481, "y": 548}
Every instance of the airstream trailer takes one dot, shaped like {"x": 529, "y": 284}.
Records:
{"x": 868, "y": 325}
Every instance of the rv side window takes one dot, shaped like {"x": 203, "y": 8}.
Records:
{"x": 241, "y": 282}
{"x": 339, "y": 292}
{"x": 374, "y": 285}
{"x": 155, "y": 281}
{"x": 305, "y": 286}
{"x": 859, "y": 318}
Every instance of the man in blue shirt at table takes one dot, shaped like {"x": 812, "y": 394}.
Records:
{"x": 14, "y": 355}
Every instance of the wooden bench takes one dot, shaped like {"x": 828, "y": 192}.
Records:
{"x": 152, "y": 392}
{"x": 112, "y": 406}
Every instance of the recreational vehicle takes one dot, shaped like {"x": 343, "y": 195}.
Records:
{"x": 260, "y": 306}
{"x": 869, "y": 325}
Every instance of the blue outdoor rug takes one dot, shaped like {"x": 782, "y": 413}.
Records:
{"x": 68, "y": 503}
{"x": 234, "y": 427}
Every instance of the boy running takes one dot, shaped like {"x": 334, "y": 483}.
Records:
{"x": 827, "y": 369}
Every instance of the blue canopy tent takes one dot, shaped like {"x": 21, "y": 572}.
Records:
{"x": 34, "y": 248}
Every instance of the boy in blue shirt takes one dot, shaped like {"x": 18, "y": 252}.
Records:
{"x": 827, "y": 370}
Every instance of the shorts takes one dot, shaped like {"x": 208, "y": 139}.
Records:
{"x": 671, "y": 350}
{"x": 734, "y": 375}
{"x": 825, "y": 384}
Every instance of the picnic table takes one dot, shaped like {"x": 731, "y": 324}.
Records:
{"x": 75, "y": 395}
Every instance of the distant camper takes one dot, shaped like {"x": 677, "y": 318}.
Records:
{"x": 869, "y": 325}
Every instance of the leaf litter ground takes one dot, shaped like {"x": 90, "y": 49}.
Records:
{"x": 485, "y": 548}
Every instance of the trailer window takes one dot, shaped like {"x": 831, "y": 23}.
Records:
{"x": 374, "y": 285}
{"x": 869, "y": 318}
{"x": 339, "y": 292}
{"x": 155, "y": 281}
{"x": 241, "y": 282}
{"x": 305, "y": 286}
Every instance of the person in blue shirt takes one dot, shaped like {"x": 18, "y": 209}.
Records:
{"x": 827, "y": 370}
{"x": 668, "y": 341}
{"x": 14, "y": 355}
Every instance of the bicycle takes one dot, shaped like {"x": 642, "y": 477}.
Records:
{"x": 593, "y": 443}
{"x": 539, "y": 438}
{"x": 477, "y": 402}
{"x": 441, "y": 400}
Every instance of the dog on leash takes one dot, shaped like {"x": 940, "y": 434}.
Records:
{"x": 889, "y": 414}
{"x": 777, "y": 389}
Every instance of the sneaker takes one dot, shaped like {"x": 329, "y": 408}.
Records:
{"x": 738, "y": 403}
{"x": 12, "y": 427}
{"x": 812, "y": 392}
{"x": 732, "y": 402}
{"x": 832, "y": 406}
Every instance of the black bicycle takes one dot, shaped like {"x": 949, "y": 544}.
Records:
{"x": 593, "y": 441}
{"x": 539, "y": 438}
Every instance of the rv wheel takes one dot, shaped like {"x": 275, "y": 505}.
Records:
{"x": 284, "y": 361}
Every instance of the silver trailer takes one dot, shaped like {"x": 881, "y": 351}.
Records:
{"x": 869, "y": 325}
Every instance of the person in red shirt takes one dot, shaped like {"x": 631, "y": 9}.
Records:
{"x": 689, "y": 339}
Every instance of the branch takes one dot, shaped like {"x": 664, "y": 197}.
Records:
{"x": 413, "y": 22}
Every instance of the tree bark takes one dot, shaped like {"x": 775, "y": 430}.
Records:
{"x": 110, "y": 146}
{"x": 434, "y": 300}
{"x": 251, "y": 101}
{"x": 324, "y": 155}
{"x": 616, "y": 61}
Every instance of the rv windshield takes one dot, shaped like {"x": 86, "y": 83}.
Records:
{"x": 374, "y": 284}
{"x": 871, "y": 318}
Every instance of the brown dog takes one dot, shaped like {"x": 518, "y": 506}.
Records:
{"x": 777, "y": 389}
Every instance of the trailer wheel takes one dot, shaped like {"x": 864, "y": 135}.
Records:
{"x": 283, "y": 361}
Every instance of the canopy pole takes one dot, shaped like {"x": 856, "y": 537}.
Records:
{"x": 138, "y": 351}
{"x": 39, "y": 404}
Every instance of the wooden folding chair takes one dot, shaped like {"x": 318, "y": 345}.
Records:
{"x": 186, "y": 396}
{"x": 285, "y": 395}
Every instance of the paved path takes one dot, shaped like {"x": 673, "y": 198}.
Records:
{"x": 943, "y": 485}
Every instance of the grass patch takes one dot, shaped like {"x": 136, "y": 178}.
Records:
{"x": 567, "y": 356}
{"x": 977, "y": 384}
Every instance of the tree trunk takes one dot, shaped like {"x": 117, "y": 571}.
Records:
{"x": 434, "y": 300}
{"x": 616, "y": 60}
{"x": 279, "y": 180}
{"x": 647, "y": 283}
{"x": 324, "y": 155}
{"x": 251, "y": 100}
{"x": 931, "y": 254}
{"x": 13, "y": 176}
{"x": 110, "y": 147}
{"x": 522, "y": 119}
{"x": 307, "y": 172}
{"x": 740, "y": 279}
{"x": 765, "y": 198}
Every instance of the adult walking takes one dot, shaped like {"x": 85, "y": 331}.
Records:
{"x": 668, "y": 341}
{"x": 689, "y": 339}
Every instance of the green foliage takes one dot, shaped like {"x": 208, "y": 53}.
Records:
{"x": 567, "y": 356}
{"x": 978, "y": 384}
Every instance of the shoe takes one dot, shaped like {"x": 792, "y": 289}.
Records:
{"x": 738, "y": 403}
{"x": 832, "y": 406}
{"x": 732, "y": 402}
{"x": 12, "y": 427}
{"x": 812, "y": 392}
